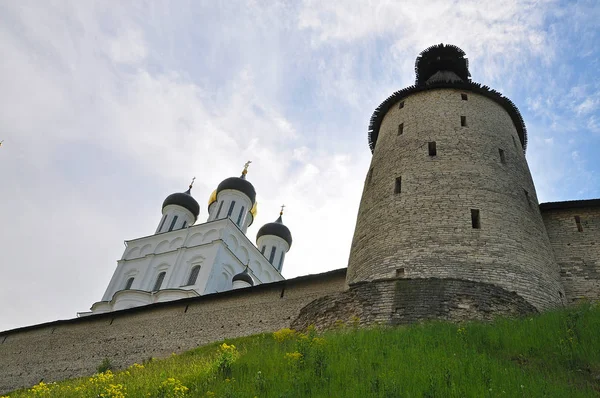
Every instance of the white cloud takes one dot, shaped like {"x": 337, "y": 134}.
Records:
{"x": 109, "y": 108}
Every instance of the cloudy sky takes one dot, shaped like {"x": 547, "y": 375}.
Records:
{"x": 107, "y": 107}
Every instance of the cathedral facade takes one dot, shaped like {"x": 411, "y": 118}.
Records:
{"x": 185, "y": 259}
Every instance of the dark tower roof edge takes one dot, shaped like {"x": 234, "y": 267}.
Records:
{"x": 444, "y": 58}
{"x": 185, "y": 200}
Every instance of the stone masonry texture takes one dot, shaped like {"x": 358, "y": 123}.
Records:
{"x": 403, "y": 301}
{"x": 425, "y": 231}
{"x": 577, "y": 253}
{"x": 74, "y": 348}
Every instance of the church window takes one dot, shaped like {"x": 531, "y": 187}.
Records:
{"x": 432, "y": 149}
{"x": 463, "y": 121}
{"x": 159, "y": 280}
{"x": 272, "y": 255}
{"x": 239, "y": 220}
{"x": 464, "y": 97}
{"x": 475, "y": 221}
{"x": 578, "y": 222}
{"x": 502, "y": 156}
{"x": 219, "y": 211}
{"x": 400, "y": 128}
{"x": 262, "y": 250}
{"x": 398, "y": 186}
{"x": 231, "y": 206}
{"x": 162, "y": 222}
{"x": 184, "y": 224}
{"x": 370, "y": 176}
{"x": 173, "y": 223}
{"x": 280, "y": 261}
{"x": 193, "y": 275}
{"x": 128, "y": 283}
{"x": 401, "y": 105}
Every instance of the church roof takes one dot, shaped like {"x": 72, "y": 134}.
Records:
{"x": 277, "y": 229}
{"x": 239, "y": 184}
{"x": 185, "y": 200}
{"x": 244, "y": 276}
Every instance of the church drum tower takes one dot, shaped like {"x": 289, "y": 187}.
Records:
{"x": 449, "y": 193}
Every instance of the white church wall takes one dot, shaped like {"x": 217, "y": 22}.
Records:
{"x": 219, "y": 247}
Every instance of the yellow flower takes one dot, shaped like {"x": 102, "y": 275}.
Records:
{"x": 284, "y": 334}
{"x": 293, "y": 356}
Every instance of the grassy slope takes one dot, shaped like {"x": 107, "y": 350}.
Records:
{"x": 556, "y": 354}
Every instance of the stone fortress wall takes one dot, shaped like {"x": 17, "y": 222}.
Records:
{"x": 421, "y": 226}
{"x": 73, "y": 348}
{"x": 574, "y": 231}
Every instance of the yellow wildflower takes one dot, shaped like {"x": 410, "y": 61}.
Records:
{"x": 284, "y": 334}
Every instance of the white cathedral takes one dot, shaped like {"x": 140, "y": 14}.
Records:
{"x": 184, "y": 259}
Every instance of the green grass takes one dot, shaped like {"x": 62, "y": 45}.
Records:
{"x": 556, "y": 354}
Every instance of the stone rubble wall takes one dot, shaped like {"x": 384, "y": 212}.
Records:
{"x": 403, "y": 301}
{"x": 577, "y": 253}
{"x": 425, "y": 230}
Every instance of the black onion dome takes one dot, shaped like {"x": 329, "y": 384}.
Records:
{"x": 438, "y": 58}
{"x": 244, "y": 276}
{"x": 185, "y": 200}
{"x": 238, "y": 184}
{"x": 444, "y": 66}
{"x": 276, "y": 228}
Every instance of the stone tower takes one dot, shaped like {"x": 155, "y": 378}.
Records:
{"x": 449, "y": 193}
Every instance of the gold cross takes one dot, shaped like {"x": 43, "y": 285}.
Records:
{"x": 281, "y": 212}
{"x": 192, "y": 183}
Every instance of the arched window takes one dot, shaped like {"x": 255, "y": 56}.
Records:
{"x": 272, "y": 255}
{"x": 173, "y": 223}
{"x": 240, "y": 216}
{"x": 219, "y": 211}
{"x": 159, "y": 281}
{"x": 193, "y": 275}
{"x": 128, "y": 283}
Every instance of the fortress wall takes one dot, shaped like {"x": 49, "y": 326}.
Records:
{"x": 425, "y": 230}
{"x": 73, "y": 348}
{"x": 404, "y": 301}
{"x": 577, "y": 253}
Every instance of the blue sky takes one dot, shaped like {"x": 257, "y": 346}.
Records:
{"x": 108, "y": 107}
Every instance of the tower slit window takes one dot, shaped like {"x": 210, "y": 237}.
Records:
{"x": 219, "y": 211}
{"x": 432, "y": 149}
{"x": 502, "y": 156}
{"x": 398, "y": 185}
{"x": 475, "y": 220}
{"x": 173, "y": 223}
{"x": 231, "y": 206}
{"x": 162, "y": 223}
{"x": 464, "y": 97}
{"x": 128, "y": 283}
{"x": 159, "y": 281}
{"x": 400, "y": 128}
{"x": 401, "y": 105}
{"x": 262, "y": 250}
{"x": 184, "y": 224}
{"x": 239, "y": 219}
{"x": 280, "y": 261}
{"x": 578, "y": 222}
{"x": 514, "y": 142}
{"x": 193, "y": 275}
{"x": 370, "y": 175}
{"x": 527, "y": 197}
{"x": 272, "y": 255}
{"x": 463, "y": 121}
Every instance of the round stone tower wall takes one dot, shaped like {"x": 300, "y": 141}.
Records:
{"x": 469, "y": 211}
